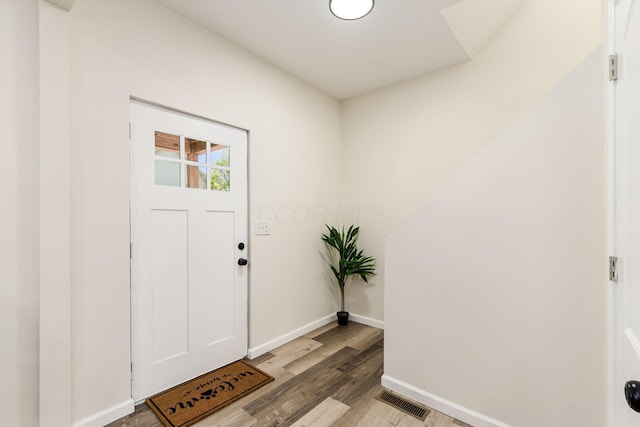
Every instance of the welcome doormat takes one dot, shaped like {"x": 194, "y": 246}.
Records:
{"x": 190, "y": 402}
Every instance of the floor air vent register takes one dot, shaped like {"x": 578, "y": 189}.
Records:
{"x": 403, "y": 405}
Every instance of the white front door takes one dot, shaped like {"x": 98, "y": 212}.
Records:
{"x": 625, "y": 201}
{"x": 188, "y": 225}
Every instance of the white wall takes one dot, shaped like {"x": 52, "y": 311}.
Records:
{"x": 19, "y": 212}
{"x": 55, "y": 219}
{"x": 402, "y": 143}
{"x": 503, "y": 271}
{"x": 122, "y": 48}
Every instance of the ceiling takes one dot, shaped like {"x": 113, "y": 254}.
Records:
{"x": 398, "y": 40}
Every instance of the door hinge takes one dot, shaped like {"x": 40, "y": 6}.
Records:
{"x": 129, "y": 131}
{"x": 613, "y": 269}
{"x": 130, "y": 251}
{"x": 613, "y": 67}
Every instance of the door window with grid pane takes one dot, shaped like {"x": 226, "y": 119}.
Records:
{"x": 185, "y": 162}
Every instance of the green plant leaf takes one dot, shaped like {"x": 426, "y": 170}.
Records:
{"x": 351, "y": 261}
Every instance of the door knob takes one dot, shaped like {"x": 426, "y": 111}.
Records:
{"x": 632, "y": 394}
{"x": 242, "y": 261}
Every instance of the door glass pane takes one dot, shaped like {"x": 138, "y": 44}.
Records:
{"x": 197, "y": 177}
{"x": 220, "y": 179}
{"x": 195, "y": 151}
{"x": 219, "y": 155}
{"x": 167, "y": 145}
{"x": 211, "y": 157}
{"x": 167, "y": 173}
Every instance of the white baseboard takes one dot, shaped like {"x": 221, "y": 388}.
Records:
{"x": 366, "y": 321}
{"x": 439, "y": 404}
{"x": 261, "y": 349}
{"x": 107, "y": 416}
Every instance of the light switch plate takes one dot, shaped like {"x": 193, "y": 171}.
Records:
{"x": 263, "y": 229}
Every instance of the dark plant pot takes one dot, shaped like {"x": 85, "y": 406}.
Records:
{"x": 343, "y": 318}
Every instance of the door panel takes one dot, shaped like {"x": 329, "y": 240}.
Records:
{"x": 220, "y": 267}
{"x": 170, "y": 278}
{"x": 625, "y": 164}
{"x": 188, "y": 215}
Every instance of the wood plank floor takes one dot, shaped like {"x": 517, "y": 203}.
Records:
{"x": 329, "y": 377}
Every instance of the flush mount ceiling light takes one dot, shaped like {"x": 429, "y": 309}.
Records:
{"x": 350, "y": 9}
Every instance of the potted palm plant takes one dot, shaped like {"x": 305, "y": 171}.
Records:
{"x": 346, "y": 261}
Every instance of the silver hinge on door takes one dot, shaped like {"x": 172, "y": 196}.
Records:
{"x": 613, "y": 67}
{"x": 129, "y": 131}
{"x": 613, "y": 269}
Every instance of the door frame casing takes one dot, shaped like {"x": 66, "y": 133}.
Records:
{"x": 608, "y": 17}
{"x": 611, "y": 352}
